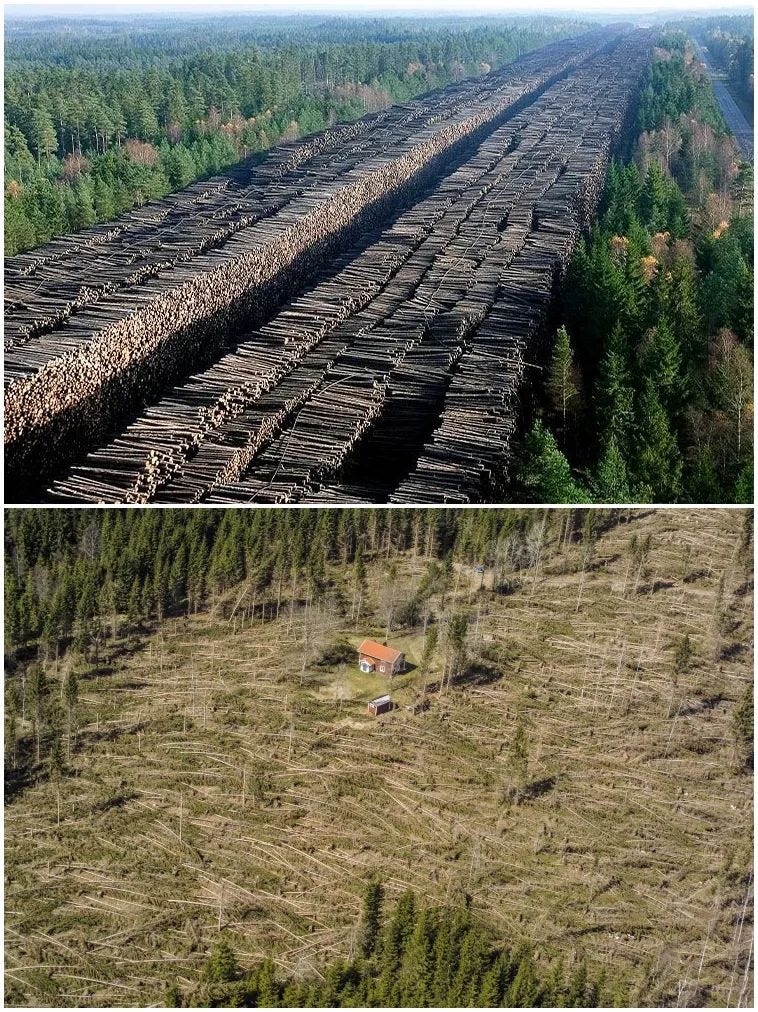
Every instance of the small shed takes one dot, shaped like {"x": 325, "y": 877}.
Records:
{"x": 373, "y": 656}
{"x": 382, "y": 704}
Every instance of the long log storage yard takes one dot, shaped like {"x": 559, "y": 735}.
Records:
{"x": 358, "y": 309}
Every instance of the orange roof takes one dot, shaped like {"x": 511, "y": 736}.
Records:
{"x": 379, "y": 651}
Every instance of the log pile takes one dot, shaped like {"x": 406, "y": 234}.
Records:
{"x": 394, "y": 375}
{"x": 97, "y": 323}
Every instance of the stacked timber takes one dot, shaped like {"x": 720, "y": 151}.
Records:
{"x": 410, "y": 349}
{"x": 465, "y": 460}
{"x": 169, "y": 284}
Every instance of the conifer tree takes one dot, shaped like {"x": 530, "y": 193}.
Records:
{"x": 11, "y": 727}
{"x": 658, "y": 459}
{"x": 394, "y": 938}
{"x": 742, "y": 725}
{"x": 457, "y": 631}
{"x": 472, "y": 963}
{"x": 371, "y": 921}
{"x": 172, "y": 997}
{"x": 662, "y": 364}
{"x": 38, "y": 697}
{"x": 683, "y": 312}
{"x": 417, "y": 973}
{"x": 523, "y": 991}
{"x": 544, "y": 472}
{"x": 518, "y": 755}
{"x": 653, "y": 199}
{"x": 683, "y": 655}
{"x": 71, "y": 695}
{"x": 562, "y": 385}
{"x": 359, "y": 584}
{"x": 491, "y": 991}
{"x": 614, "y": 397}
{"x": 45, "y": 138}
{"x": 555, "y": 987}
{"x": 578, "y": 985}
{"x": 430, "y": 646}
{"x": 221, "y": 966}
{"x": 611, "y": 483}
{"x": 266, "y": 986}
{"x": 13, "y": 617}
{"x": 55, "y": 758}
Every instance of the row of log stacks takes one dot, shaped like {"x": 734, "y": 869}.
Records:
{"x": 362, "y": 283}
{"x": 466, "y": 457}
{"x": 42, "y": 286}
{"x": 123, "y": 339}
{"x": 356, "y": 371}
{"x": 462, "y": 475}
{"x": 313, "y": 453}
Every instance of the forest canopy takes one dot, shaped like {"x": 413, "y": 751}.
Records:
{"x": 413, "y": 956}
{"x": 66, "y": 571}
{"x": 649, "y": 388}
{"x": 118, "y": 112}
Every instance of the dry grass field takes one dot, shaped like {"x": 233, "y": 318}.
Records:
{"x": 222, "y": 780}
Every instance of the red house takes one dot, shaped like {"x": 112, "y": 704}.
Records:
{"x": 373, "y": 656}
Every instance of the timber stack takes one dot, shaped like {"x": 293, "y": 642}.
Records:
{"x": 410, "y": 345}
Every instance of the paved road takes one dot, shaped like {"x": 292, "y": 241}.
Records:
{"x": 743, "y": 132}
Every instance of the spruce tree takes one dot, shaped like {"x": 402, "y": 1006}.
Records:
{"x": 430, "y": 646}
{"x": 742, "y": 726}
{"x": 555, "y": 986}
{"x": 472, "y": 964}
{"x": 457, "y": 631}
{"x": 683, "y": 313}
{"x": 55, "y": 758}
{"x": 614, "y": 396}
{"x": 172, "y": 998}
{"x": 393, "y": 941}
{"x": 612, "y": 483}
{"x": 221, "y": 966}
{"x": 578, "y": 986}
{"x": 71, "y": 691}
{"x": 662, "y": 364}
{"x": 518, "y": 755}
{"x": 544, "y": 471}
{"x": 267, "y": 987}
{"x": 417, "y": 973}
{"x": 491, "y": 991}
{"x": 359, "y": 584}
{"x": 371, "y": 920}
{"x": 562, "y": 383}
{"x": 658, "y": 461}
{"x": 38, "y": 695}
{"x": 653, "y": 199}
{"x": 682, "y": 655}
{"x": 524, "y": 989}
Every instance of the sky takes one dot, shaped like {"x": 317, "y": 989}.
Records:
{"x": 104, "y": 7}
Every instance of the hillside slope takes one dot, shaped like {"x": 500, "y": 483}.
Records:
{"x": 222, "y": 779}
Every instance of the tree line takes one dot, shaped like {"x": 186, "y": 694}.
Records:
{"x": 414, "y": 956}
{"x": 100, "y": 119}
{"x": 734, "y": 54}
{"x": 80, "y": 584}
{"x": 70, "y": 572}
{"x": 648, "y": 395}
{"x": 730, "y": 42}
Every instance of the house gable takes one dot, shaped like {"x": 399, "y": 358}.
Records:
{"x": 384, "y": 659}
